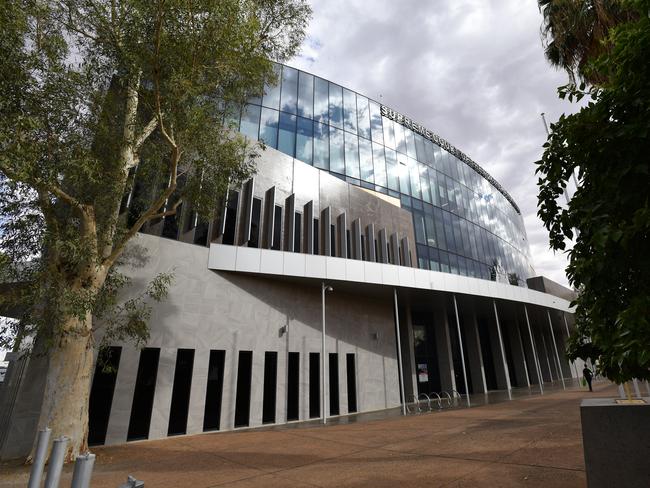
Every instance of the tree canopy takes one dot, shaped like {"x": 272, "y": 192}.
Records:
{"x": 607, "y": 143}
{"x": 95, "y": 92}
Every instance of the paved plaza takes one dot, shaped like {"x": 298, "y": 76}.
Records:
{"x": 531, "y": 441}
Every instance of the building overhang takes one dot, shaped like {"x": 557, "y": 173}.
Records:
{"x": 314, "y": 267}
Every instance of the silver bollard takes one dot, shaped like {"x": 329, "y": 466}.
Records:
{"x": 83, "y": 470}
{"x": 57, "y": 456}
{"x": 131, "y": 482}
{"x": 36, "y": 474}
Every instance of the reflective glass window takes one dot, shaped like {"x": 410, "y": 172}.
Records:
{"x": 424, "y": 182}
{"x": 434, "y": 260}
{"x": 271, "y": 96}
{"x": 250, "y": 121}
{"x": 418, "y": 223}
{"x": 379, "y": 164}
{"x": 449, "y": 231}
{"x": 462, "y": 265}
{"x": 400, "y": 138}
{"x": 321, "y": 146}
{"x": 269, "y": 127}
{"x": 428, "y": 151}
{"x": 392, "y": 170}
{"x": 304, "y": 140}
{"x": 433, "y": 187}
{"x": 305, "y": 95}
{"x": 453, "y": 264}
{"x": 365, "y": 160}
{"x": 389, "y": 132}
{"x": 287, "y": 137}
{"x": 442, "y": 191}
{"x": 351, "y": 155}
{"x": 363, "y": 113}
{"x": 350, "y": 111}
{"x": 419, "y": 148}
{"x": 337, "y": 161}
{"x": 414, "y": 174}
{"x": 444, "y": 262}
{"x": 410, "y": 143}
{"x": 321, "y": 100}
{"x": 451, "y": 194}
{"x": 458, "y": 236}
{"x": 377, "y": 131}
{"x": 440, "y": 228}
{"x": 430, "y": 228}
{"x": 336, "y": 106}
{"x": 404, "y": 182}
{"x": 289, "y": 97}
{"x": 437, "y": 162}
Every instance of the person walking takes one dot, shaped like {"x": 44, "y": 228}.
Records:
{"x": 588, "y": 375}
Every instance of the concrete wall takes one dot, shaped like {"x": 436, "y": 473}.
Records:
{"x": 216, "y": 310}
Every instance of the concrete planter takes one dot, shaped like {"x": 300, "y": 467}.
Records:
{"x": 616, "y": 440}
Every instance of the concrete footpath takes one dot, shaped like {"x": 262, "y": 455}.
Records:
{"x": 532, "y": 441}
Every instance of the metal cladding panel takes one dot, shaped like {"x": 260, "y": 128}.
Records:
{"x": 405, "y": 251}
{"x": 383, "y": 247}
{"x": 308, "y": 226}
{"x": 325, "y": 226}
{"x": 246, "y": 211}
{"x": 356, "y": 240}
{"x": 289, "y": 222}
{"x": 370, "y": 243}
{"x": 394, "y": 248}
{"x": 341, "y": 235}
{"x": 269, "y": 218}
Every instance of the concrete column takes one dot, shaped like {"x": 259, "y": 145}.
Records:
{"x": 546, "y": 355}
{"x": 408, "y": 354}
{"x": 443, "y": 345}
{"x": 503, "y": 350}
{"x": 474, "y": 354}
{"x": 500, "y": 371}
{"x": 460, "y": 347}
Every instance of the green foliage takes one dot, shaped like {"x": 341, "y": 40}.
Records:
{"x": 607, "y": 144}
{"x": 95, "y": 92}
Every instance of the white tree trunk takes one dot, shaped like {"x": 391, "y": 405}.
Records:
{"x": 67, "y": 386}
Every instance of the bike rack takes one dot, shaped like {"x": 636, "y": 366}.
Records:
{"x": 438, "y": 397}
{"x": 414, "y": 406}
{"x": 428, "y": 400}
{"x": 449, "y": 400}
{"x": 456, "y": 394}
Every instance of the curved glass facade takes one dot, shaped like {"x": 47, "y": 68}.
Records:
{"x": 463, "y": 223}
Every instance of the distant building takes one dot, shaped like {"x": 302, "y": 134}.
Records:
{"x": 411, "y": 235}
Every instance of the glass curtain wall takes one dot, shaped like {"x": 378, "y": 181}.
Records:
{"x": 464, "y": 225}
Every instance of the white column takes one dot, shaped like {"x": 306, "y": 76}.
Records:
{"x": 462, "y": 354}
{"x": 532, "y": 344}
{"x": 503, "y": 352}
{"x": 557, "y": 356}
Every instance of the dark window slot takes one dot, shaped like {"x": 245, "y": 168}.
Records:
{"x": 314, "y": 385}
{"x": 201, "y": 233}
{"x": 270, "y": 386}
{"x": 231, "y": 218}
{"x": 352, "y": 382}
{"x": 293, "y": 386}
{"x": 277, "y": 228}
{"x": 332, "y": 240}
{"x": 170, "y": 224}
{"x": 256, "y": 213}
{"x": 350, "y": 253}
{"x": 243, "y": 395}
{"x": 334, "y": 384}
{"x": 363, "y": 248}
{"x": 316, "y": 234}
{"x": 101, "y": 394}
{"x": 145, "y": 387}
{"x": 181, "y": 392}
{"x": 214, "y": 391}
{"x": 297, "y": 227}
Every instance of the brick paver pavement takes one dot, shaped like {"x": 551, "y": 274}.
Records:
{"x": 532, "y": 441}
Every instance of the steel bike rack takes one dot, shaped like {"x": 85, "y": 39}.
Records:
{"x": 437, "y": 398}
{"x": 427, "y": 398}
{"x": 449, "y": 400}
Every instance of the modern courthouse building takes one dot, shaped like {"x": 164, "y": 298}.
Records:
{"x": 366, "y": 263}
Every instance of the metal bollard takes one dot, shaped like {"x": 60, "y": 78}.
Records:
{"x": 131, "y": 482}
{"x": 83, "y": 470}
{"x": 55, "y": 465}
{"x": 36, "y": 474}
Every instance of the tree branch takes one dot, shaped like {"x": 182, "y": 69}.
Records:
{"x": 146, "y": 132}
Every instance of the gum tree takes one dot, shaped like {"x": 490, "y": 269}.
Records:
{"x": 607, "y": 143}
{"x": 94, "y": 92}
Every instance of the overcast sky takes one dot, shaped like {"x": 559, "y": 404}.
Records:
{"x": 472, "y": 71}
